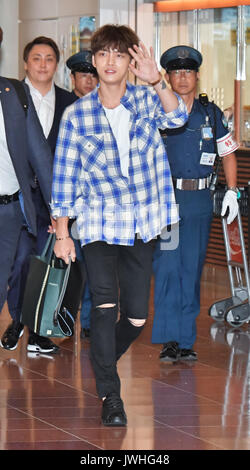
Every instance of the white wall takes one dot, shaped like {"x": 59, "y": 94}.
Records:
{"x": 22, "y": 20}
{"x": 55, "y": 19}
{"x": 37, "y": 9}
{"x": 117, "y": 12}
{"x": 9, "y": 48}
{"x": 124, "y": 12}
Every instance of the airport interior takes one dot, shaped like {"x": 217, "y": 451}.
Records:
{"x": 49, "y": 401}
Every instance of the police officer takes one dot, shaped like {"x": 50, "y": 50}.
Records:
{"x": 191, "y": 153}
{"x": 83, "y": 73}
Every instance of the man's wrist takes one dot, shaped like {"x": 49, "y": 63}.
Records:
{"x": 235, "y": 189}
{"x": 157, "y": 81}
{"x": 62, "y": 238}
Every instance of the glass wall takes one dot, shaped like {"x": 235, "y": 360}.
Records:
{"x": 218, "y": 47}
{"x": 215, "y": 32}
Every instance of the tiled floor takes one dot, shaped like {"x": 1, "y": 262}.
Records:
{"x": 49, "y": 402}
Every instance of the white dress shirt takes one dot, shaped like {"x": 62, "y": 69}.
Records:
{"x": 8, "y": 180}
{"x": 45, "y": 106}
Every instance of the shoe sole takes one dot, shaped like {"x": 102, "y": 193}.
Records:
{"x": 114, "y": 425}
{"x": 14, "y": 347}
{"x": 34, "y": 348}
{"x": 168, "y": 359}
{"x": 189, "y": 359}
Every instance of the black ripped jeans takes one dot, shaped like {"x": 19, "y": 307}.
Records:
{"x": 118, "y": 275}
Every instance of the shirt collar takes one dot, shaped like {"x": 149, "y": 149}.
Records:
{"x": 128, "y": 99}
{"x": 49, "y": 95}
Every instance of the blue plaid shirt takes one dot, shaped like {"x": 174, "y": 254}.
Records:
{"x": 88, "y": 183}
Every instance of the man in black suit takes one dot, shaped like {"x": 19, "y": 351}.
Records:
{"x": 41, "y": 57}
{"x": 23, "y": 153}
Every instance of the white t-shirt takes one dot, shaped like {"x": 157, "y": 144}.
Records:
{"x": 119, "y": 122}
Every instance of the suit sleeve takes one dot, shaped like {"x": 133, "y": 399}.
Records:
{"x": 40, "y": 156}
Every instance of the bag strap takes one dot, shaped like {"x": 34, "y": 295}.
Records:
{"x": 21, "y": 93}
{"x": 62, "y": 293}
{"x": 47, "y": 252}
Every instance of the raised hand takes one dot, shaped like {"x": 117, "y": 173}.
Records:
{"x": 143, "y": 64}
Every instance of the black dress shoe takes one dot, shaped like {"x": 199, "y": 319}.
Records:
{"x": 188, "y": 355}
{"x": 113, "y": 413}
{"x": 85, "y": 333}
{"x": 170, "y": 352}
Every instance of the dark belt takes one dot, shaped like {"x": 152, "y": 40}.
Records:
{"x": 7, "y": 198}
{"x": 194, "y": 184}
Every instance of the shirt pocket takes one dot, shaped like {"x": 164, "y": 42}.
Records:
{"x": 93, "y": 154}
{"x": 145, "y": 134}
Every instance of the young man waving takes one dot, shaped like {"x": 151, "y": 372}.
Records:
{"x": 111, "y": 172}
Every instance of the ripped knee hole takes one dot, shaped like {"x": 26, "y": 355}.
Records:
{"x": 137, "y": 322}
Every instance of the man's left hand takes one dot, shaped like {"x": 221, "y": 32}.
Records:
{"x": 230, "y": 202}
{"x": 143, "y": 64}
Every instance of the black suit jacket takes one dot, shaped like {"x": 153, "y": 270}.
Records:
{"x": 28, "y": 148}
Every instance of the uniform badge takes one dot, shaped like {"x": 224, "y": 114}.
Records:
{"x": 206, "y": 132}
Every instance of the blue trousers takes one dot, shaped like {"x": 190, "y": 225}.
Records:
{"x": 27, "y": 245}
{"x": 11, "y": 221}
{"x": 177, "y": 272}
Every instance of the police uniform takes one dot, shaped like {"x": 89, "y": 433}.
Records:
{"x": 81, "y": 62}
{"x": 191, "y": 153}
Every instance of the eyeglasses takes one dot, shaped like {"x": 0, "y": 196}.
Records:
{"x": 182, "y": 71}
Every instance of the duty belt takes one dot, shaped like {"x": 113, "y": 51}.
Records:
{"x": 7, "y": 198}
{"x": 191, "y": 184}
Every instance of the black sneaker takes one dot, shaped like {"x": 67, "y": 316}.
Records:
{"x": 170, "y": 352}
{"x": 41, "y": 344}
{"x": 113, "y": 413}
{"x": 85, "y": 333}
{"x": 188, "y": 355}
{"x": 11, "y": 335}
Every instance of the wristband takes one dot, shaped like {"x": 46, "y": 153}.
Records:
{"x": 157, "y": 81}
{"x": 235, "y": 190}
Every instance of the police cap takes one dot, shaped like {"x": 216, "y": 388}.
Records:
{"x": 181, "y": 57}
{"x": 81, "y": 62}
